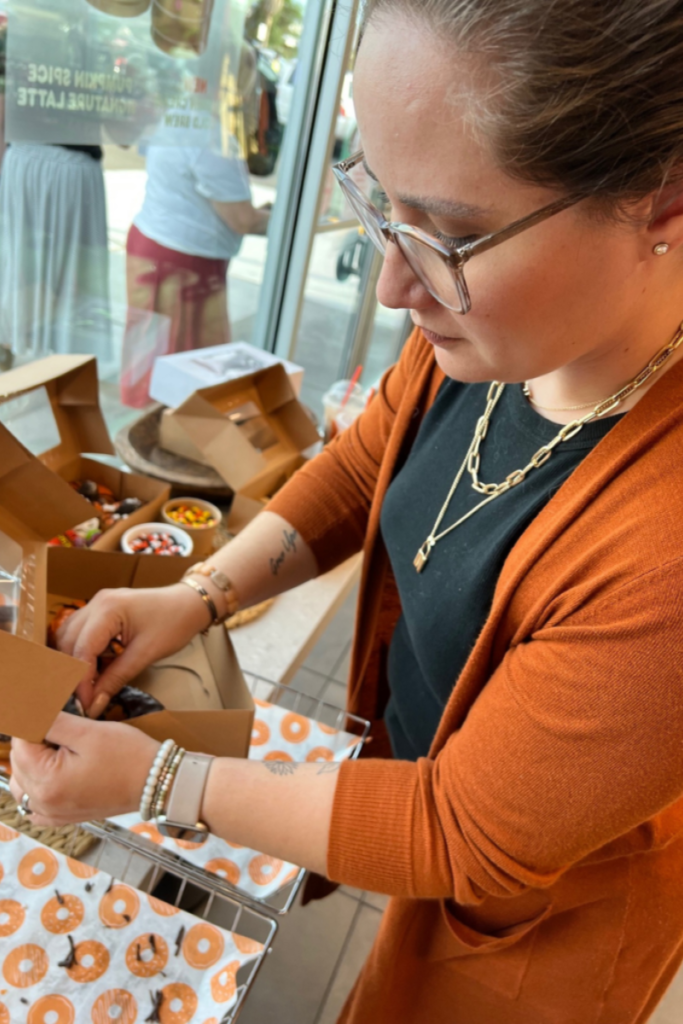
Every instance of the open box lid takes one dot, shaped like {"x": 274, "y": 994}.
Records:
{"x": 201, "y": 429}
{"x": 52, "y": 407}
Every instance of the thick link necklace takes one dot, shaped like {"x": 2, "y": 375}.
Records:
{"x": 472, "y": 460}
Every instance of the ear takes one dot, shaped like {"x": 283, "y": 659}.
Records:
{"x": 666, "y": 217}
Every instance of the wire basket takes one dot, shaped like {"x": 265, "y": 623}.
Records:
{"x": 144, "y": 867}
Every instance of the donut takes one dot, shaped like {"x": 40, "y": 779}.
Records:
{"x": 203, "y": 946}
{"x": 185, "y": 844}
{"x": 320, "y": 754}
{"x": 60, "y": 1010}
{"x": 161, "y": 908}
{"x": 290, "y": 876}
{"x": 92, "y": 960}
{"x": 80, "y": 870}
{"x": 37, "y": 868}
{"x": 149, "y": 831}
{"x": 7, "y": 835}
{"x": 178, "y": 1005}
{"x": 62, "y": 914}
{"x": 115, "y": 1005}
{"x": 4, "y": 1014}
{"x": 119, "y": 906}
{"x": 278, "y": 755}
{"x": 327, "y": 729}
{"x": 25, "y": 966}
{"x": 247, "y": 946}
{"x": 12, "y": 916}
{"x": 224, "y": 868}
{"x": 295, "y": 728}
{"x": 147, "y": 955}
{"x": 263, "y": 869}
{"x": 260, "y": 733}
{"x": 224, "y": 984}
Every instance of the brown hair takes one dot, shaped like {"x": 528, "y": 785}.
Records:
{"x": 590, "y": 96}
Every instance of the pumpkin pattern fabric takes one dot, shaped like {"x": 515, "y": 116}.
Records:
{"x": 278, "y": 735}
{"x": 88, "y": 948}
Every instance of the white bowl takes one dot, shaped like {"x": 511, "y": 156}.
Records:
{"x": 181, "y": 538}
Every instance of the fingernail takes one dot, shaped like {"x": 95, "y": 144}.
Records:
{"x": 98, "y": 706}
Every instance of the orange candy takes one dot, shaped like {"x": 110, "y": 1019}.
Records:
{"x": 263, "y": 869}
{"x": 224, "y": 984}
{"x": 295, "y": 728}
{"x": 179, "y": 1004}
{"x": 38, "y": 868}
{"x": 12, "y": 916}
{"x": 25, "y": 966}
{"x": 203, "y": 946}
{"x": 115, "y": 1005}
{"x": 119, "y": 906}
{"x": 92, "y": 960}
{"x": 224, "y": 868}
{"x": 146, "y": 956}
{"x": 62, "y": 914}
{"x": 60, "y": 1010}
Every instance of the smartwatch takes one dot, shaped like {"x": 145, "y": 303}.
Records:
{"x": 181, "y": 819}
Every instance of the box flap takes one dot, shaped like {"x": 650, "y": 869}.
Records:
{"x": 36, "y": 684}
{"x": 69, "y": 383}
{"x": 220, "y": 733}
{"x": 75, "y": 572}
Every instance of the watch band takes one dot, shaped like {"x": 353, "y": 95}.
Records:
{"x": 184, "y": 806}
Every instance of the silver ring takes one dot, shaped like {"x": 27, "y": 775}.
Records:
{"x": 23, "y": 808}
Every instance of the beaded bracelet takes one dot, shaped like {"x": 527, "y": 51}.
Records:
{"x": 163, "y": 753}
{"x": 165, "y": 783}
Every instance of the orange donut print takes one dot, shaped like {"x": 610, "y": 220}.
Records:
{"x": 179, "y": 1004}
{"x": 80, "y": 870}
{"x": 62, "y": 914}
{"x": 2, "y": 875}
{"x": 261, "y": 703}
{"x": 278, "y": 755}
{"x": 224, "y": 984}
{"x": 290, "y": 876}
{"x": 295, "y": 728}
{"x": 245, "y": 945}
{"x": 119, "y": 907}
{"x": 185, "y": 844}
{"x": 7, "y": 834}
{"x": 38, "y": 868}
{"x": 115, "y": 1005}
{"x": 224, "y": 868}
{"x": 12, "y": 916}
{"x": 149, "y": 831}
{"x": 203, "y": 946}
{"x": 320, "y": 754}
{"x": 263, "y": 869}
{"x": 260, "y": 733}
{"x": 25, "y": 966}
{"x": 161, "y": 908}
{"x": 60, "y": 1010}
{"x": 147, "y": 955}
{"x": 4, "y": 1014}
{"x": 92, "y": 960}
{"x": 327, "y": 729}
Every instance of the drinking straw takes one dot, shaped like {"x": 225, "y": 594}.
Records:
{"x": 352, "y": 383}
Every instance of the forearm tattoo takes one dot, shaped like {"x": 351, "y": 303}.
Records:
{"x": 283, "y": 768}
{"x": 289, "y": 539}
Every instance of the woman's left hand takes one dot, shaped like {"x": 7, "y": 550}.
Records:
{"x": 98, "y": 770}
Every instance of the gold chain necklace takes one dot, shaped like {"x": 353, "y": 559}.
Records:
{"x": 472, "y": 460}
{"x": 551, "y": 408}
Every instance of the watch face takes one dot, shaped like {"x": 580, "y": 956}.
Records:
{"x": 188, "y": 833}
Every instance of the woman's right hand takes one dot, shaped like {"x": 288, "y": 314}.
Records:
{"x": 151, "y": 624}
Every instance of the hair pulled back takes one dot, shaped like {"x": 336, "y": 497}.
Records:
{"x": 589, "y": 95}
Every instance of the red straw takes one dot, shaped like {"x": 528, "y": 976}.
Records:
{"x": 352, "y": 383}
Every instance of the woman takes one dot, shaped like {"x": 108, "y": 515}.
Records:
{"x": 524, "y": 667}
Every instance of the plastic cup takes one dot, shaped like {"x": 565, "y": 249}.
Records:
{"x": 181, "y": 25}
{"x": 332, "y": 404}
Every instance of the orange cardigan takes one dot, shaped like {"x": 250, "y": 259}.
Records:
{"x": 536, "y": 855}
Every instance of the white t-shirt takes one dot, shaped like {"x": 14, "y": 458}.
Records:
{"x": 177, "y": 211}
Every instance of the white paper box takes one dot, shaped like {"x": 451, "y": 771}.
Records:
{"x": 176, "y": 377}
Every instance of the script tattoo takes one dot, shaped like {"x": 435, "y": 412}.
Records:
{"x": 328, "y": 768}
{"x": 289, "y": 538}
{"x": 280, "y": 767}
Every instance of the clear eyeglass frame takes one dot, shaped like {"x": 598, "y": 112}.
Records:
{"x": 440, "y": 269}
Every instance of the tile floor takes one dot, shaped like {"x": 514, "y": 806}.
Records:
{"x": 320, "y": 949}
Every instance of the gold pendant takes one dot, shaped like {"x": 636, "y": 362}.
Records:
{"x": 422, "y": 557}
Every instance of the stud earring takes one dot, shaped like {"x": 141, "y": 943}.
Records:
{"x": 661, "y": 249}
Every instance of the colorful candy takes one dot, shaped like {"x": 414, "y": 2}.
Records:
{"x": 155, "y": 544}
{"x": 82, "y": 536}
{"x": 191, "y": 516}
{"x": 110, "y": 509}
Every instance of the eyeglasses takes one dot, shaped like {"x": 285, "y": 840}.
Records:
{"x": 440, "y": 269}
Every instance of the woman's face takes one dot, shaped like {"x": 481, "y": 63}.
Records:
{"x": 564, "y": 292}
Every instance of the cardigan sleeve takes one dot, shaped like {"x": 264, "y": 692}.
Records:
{"x": 328, "y": 501}
{"x": 575, "y": 741}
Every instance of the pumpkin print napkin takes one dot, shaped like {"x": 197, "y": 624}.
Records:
{"x": 281, "y": 736}
{"x": 77, "y": 947}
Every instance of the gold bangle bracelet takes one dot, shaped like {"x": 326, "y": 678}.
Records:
{"x": 207, "y": 599}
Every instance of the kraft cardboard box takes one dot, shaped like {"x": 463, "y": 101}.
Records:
{"x": 208, "y": 706}
{"x": 52, "y": 406}
{"x": 252, "y": 431}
